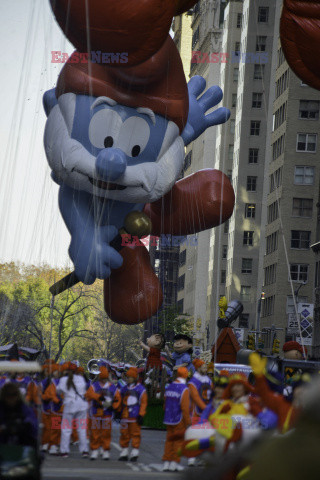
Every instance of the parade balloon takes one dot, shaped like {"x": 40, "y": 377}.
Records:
{"x": 130, "y": 30}
{"x": 115, "y": 141}
{"x": 300, "y": 39}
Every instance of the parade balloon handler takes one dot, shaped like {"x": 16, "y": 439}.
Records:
{"x": 46, "y": 398}
{"x": 105, "y": 398}
{"x": 176, "y": 418}
{"x": 286, "y": 411}
{"x": 75, "y": 408}
{"x": 134, "y": 403}
{"x": 155, "y": 343}
{"x": 56, "y": 409}
{"x": 115, "y": 139}
{"x": 181, "y": 356}
{"x": 18, "y": 422}
{"x": 200, "y": 388}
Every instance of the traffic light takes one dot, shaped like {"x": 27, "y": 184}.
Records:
{"x": 276, "y": 346}
{"x": 251, "y": 344}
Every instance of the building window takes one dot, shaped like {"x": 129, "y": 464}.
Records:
{"x": 309, "y": 109}
{"x": 272, "y": 243}
{"x": 237, "y": 48}
{"x": 232, "y": 126}
{"x": 275, "y": 179}
{"x": 263, "y": 14}
{"x": 270, "y": 274}
{"x": 273, "y": 212}
{"x": 230, "y": 153}
{"x": 317, "y": 275}
{"x": 224, "y": 251}
{"x": 304, "y": 175}
{"x": 246, "y": 265}
{"x": 255, "y": 127}
{"x": 248, "y": 237}
{"x": 234, "y": 100}
{"x": 245, "y": 293}
{"x": 278, "y": 147}
{"x": 187, "y": 160}
{"x": 290, "y": 303}
{"x": 261, "y": 44}
{"x": 239, "y": 20}
{"x": 226, "y": 227}
{"x": 253, "y": 155}
{"x": 268, "y": 306}
{"x": 256, "y": 100}
{"x": 182, "y": 258}
{"x": 235, "y": 74}
{"x": 299, "y": 272}
{"x": 181, "y": 282}
{"x": 306, "y": 142}
{"x": 300, "y": 239}
{"x": 302, "y": 207}
{"x": 250, "y": 210}
{"x": 180, "y": 305}
{"x": 244, "y": 320}
{"x": 258, "y": 72}
{"x": 251, "y": 184}
{"x": 195, "y": 37}
{"x": 223, "y": 276}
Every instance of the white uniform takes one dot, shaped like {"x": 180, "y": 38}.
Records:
{"x": 75, "y": 409}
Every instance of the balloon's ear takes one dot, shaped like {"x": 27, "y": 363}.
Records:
{"x": 49, "y": 100}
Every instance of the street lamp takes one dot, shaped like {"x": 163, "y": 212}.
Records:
{"x": 262, "y": 297}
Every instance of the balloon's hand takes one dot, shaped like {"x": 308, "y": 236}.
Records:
{"x": 198, "y": 121}
{"x": 258, "y": 364}
{"x": 92, "y": 255}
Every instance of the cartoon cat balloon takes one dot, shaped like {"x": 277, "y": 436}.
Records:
{"x": 115, "y": 138}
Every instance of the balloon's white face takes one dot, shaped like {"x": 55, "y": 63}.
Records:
{"x": 80, "y": 127}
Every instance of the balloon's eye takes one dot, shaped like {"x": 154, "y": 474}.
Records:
{"x": 108, "y": 142}
{"x": 135, "y": 151}
{"x": 134, "y": 136}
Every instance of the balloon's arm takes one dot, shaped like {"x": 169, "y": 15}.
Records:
{"x": 49, "y": 100}
{"x": 200, "y": 201}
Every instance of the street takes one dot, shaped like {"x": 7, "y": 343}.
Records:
{"x": 149, "y": 464}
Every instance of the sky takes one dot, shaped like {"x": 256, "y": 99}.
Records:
{"x": 31, "y": 228}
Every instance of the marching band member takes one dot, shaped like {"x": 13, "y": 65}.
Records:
{"x": 105, "y": 398}
{"x": 176, "y": 419}
{"x": 200, "y": 389}
{"x": 73, "y": 388}
{"x": 134, "y": 407}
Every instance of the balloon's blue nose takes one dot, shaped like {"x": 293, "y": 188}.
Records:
{"x": 111, "y": 164}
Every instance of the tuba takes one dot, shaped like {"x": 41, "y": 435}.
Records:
{"x": 93, "y": 366}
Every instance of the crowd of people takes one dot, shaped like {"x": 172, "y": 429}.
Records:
{"x": 204, "y": 409}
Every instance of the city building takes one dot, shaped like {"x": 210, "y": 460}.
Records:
{"x": 207, "y": 23}
{"x": 292, "y": 213}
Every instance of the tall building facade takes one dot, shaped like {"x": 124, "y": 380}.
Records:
{"x": 242, "y": 152}
{"x": 289, "y": 264}
{"x": 207, "y": 23}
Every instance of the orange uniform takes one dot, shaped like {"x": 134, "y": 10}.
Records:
{"x": 134, "y": 407}
{"x": 176, "y": 418}
{"x": 101, "y": 416}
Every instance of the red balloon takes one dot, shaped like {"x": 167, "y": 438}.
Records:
{"x": 132, "y": 293}
{"x": 300, "y": 39}
{"x": 136, "y": 27}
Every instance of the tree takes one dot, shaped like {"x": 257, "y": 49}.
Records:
{"x": 172, "y": 321}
